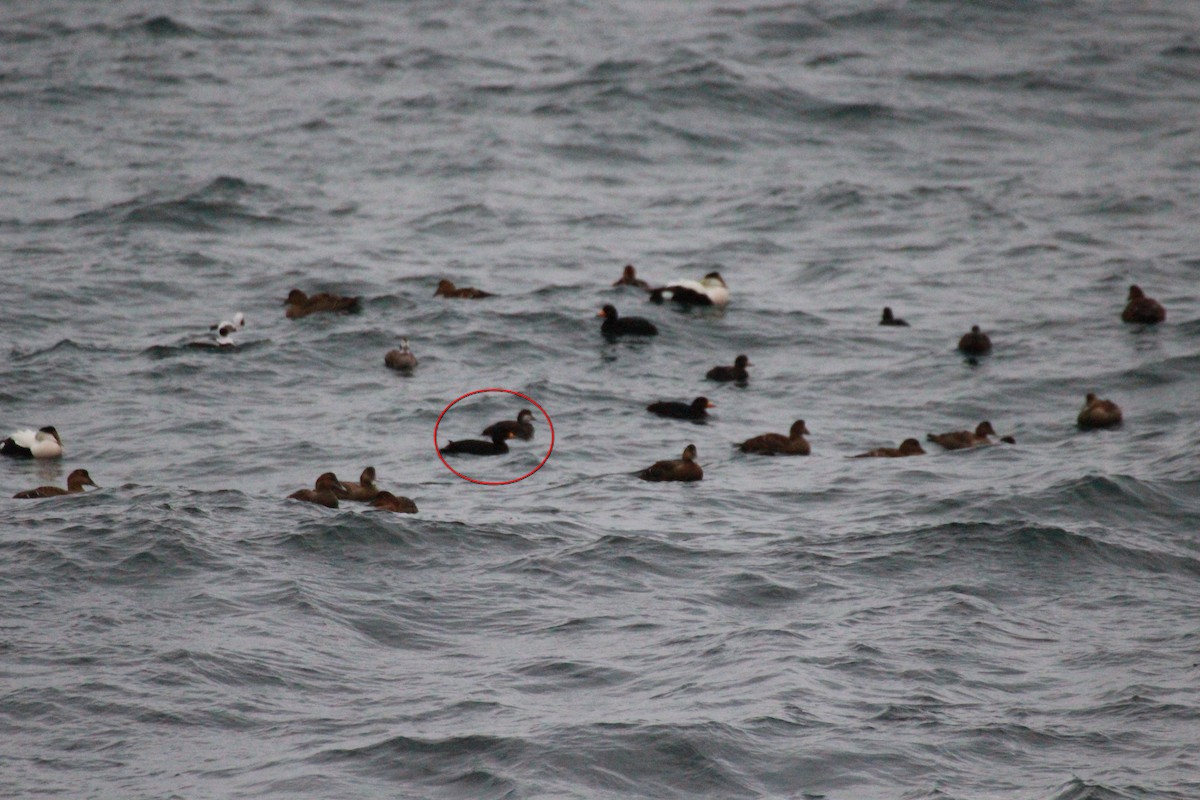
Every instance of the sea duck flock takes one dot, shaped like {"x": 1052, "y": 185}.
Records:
{"x": 711, "y": 290}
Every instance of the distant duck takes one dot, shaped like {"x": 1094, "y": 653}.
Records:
{"x": 615, "y": 325}
{"x": 629, "y": 278}
{"x": 1142, "y": 309}
{"x": 325, "y": 493}
{"x": 401, "y": 358}
{"x": 697, "y": 409}
{"x": 960, "y": 440}
{"x": 75, "y": 483}
{"x": 682, "y": 469}
{"x": 888, "y": 319}
{"x": 478, "y": 447}
{"x": 1097, "y": 413}
{"x": 300, "y": 304}
{"x": 447, "y": 289}
{"x": 224, "y": 331}
{"x": 975, "y": 343}
{"x": 909, "y": 447}
{"x": 776, "y": 444}
{"x": 363, "y": 491}
{"x": 42, "y": 443}
{"x": 236, "y": 324}
{"x": 735, "y": 373}
{"x": 387, "y": 501}
{"x": 522, "y": 428}
{"x": 708, "y": 291}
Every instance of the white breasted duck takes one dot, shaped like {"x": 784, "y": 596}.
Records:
{"x": 42, "y": 443}
{"x": 708, "y": 291}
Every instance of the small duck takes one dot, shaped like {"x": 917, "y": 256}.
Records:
{"x": 615, "y": 325}
{"x": 629, "y": 278}
{"x": 478, "y": 447}
{"x": 776, "y": 444}
{"x": 975, "y": 343}
{"x": 300, "y": 304}
{"x": 735, "y": 373}
{"x": 42, "y": 443}
{"x": 960, "y": 440}
{"x": 1142, "y": 309}
{"x": 889, "y": 319}
{"x": 447, "y": 289}
{"x": 522, "y": 428}
{"x": 224, "y": 333}
{"x": 326, "y": 492}
{"x": 697, "y": 409}
{"x": 909, "y": 447}
{"x": 708, "y": 291}
{"x": 390, "y": 502}
{"x": 236, "y": 324}
{"x": 682, "y": 469}
{"x": 401, "y": 358}
{"x": 1097, "y": 413}
{"x": 364, "y": 491}
{"x": 75, "y": 483}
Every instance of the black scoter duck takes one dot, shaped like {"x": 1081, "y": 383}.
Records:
{"x": 889, "y": 319}
{"x": 975, "y": 343}
{"x": 697, "y": 409}
{"x": 478, "y": 447}
{"x": 522, "y": 428}
{"x": 615, "y": 325}
{"x": 735, "y": 373}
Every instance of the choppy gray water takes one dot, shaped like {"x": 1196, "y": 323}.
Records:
{"x": 1012, "y": 622}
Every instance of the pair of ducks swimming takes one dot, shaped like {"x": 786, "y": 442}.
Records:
{"x": 499, "y": 433}
{"x": 328, "y": 490}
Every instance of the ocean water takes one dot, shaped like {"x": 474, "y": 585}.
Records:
{"x": 1007, "y": 622}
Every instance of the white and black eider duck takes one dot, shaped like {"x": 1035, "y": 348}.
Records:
{"x": 42, "y": 443}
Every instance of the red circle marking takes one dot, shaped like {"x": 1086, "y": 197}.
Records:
{"x": 549, "y": 424}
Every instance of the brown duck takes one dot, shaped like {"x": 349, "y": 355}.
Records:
{"x": 776, "y": 444}
{"x": 629, "y": 278}
{"x": 364, "y": 491}
{"x": 1097, "y": 413}
{"x": 447, "y": 289}
{"x": 909, "y": 447}
{"x": 75, "y": 483}
{"x": 298, "y": 304}
{"x": 1142, "y": 309}
{"x": 390, "y": 502}
{"x": 960, "y": 440}
{"x": 975, "y": 342}
{"x": 325, "y": 493}
{"x": 683, "y": 469}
